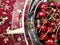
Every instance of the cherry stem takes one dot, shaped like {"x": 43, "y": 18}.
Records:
{"x": 43, "y": 23}
{"x": 51, "y": 16}
{"x": 57, "y": 32}
{"x": 55, "y": 28}
{"x": 47, "y": 32}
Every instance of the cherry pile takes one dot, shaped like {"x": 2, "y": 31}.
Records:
{"x": 47, "y": 22}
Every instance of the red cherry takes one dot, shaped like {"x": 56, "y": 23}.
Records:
{"x": 49, "y": 42}
{"x": 42, "y": 14}
{"x": 55, "y": 43}
{"x": 53, "y": 4}
{"x": 53, "y": 36}
{"x": 44, "y": 6}
{"x": 58, "y": 32}
{"x": 50, "y": 29}
{"x": 58, "y": 10}
{"x": 59, "y": 35}
{"x": 43, "y": 28}
{"x": 43, "y": 36}
{"x": 55, "y": 15}
{"x": 52, "y": 24}
{"x": 58, "y": 6}
{"x": 49, "y": 11}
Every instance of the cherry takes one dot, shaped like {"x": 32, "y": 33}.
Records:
{"x": 53, "y": 4}
{"x": 49, "y": 11}
{"x": 44, "y": 6}
{"x": 44, "y": 28}
{"x": 58, "y": 6}
{"x": 52, "y": 24}
{"x": 59, "y": 33}
{"x": 58, "y": 10}
{"x": 55, "y": 15}
{"x": 49, "y": 42}
{"x": 43, "y": 36}
{"x": 53, "y": 36}
{"x": 42, "y": 14}
{"x": 55, "y": 43}
{"x": 50, "y": 29}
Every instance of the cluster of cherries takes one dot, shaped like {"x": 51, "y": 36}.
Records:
{"x": 47, "y": 22}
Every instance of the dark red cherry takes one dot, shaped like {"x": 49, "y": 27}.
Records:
{"x": 55, "y": 15}
{"x": 55, "y": 43}
{"x": 52, "y": 24}
{"x": 44, "y": 6}
{"x": 53, "y": 36}
{"x": 59, "y": 33}
{"x": 53, "y": 4}
{"x": 58, "y": 6}
{"x": 44, "y": 28}
{"x": 42, "y": 14}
